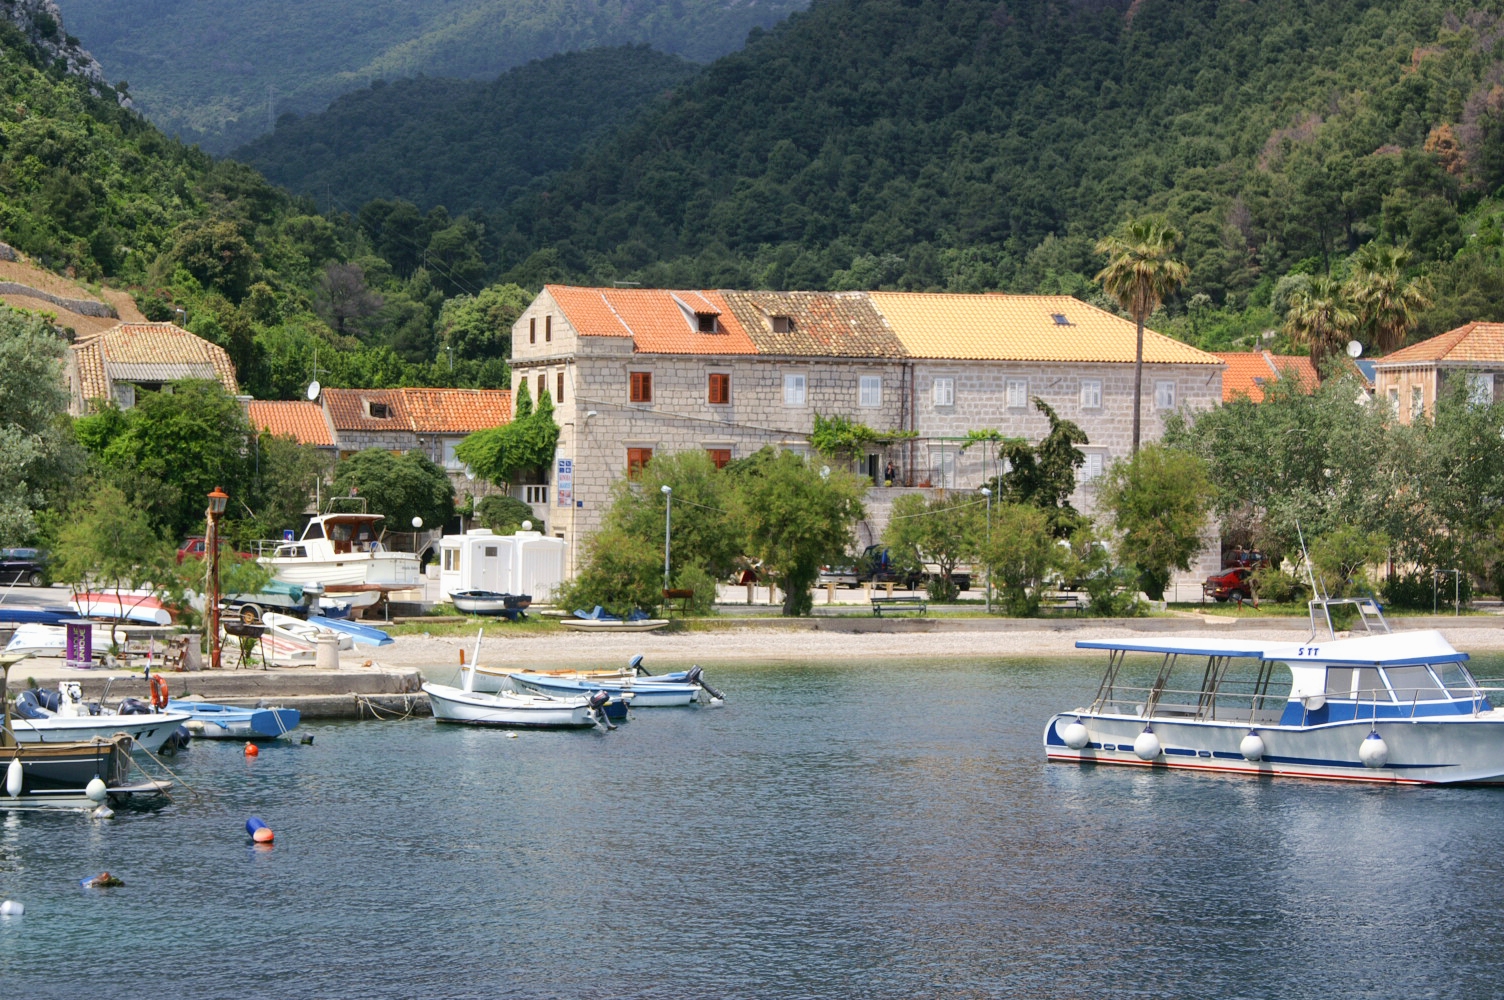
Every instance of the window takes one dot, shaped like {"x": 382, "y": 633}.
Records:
{"x": 542, "y": 386}
{"x": 637, "y": 460}
{"x": 1164, "y": 395}
{"x": 1060, "y": 319}
{"x": 719, "y": 456}
{"x": 1018, "y": 393}
{"x": 782, "y": 324}
{"x": 548, "y": 328}
{"x": 532, "y": 330}
{"x": 1092, "y": 467}
{"x": 871, "y": 391}
{"x": 1480, "y": 389}
{"x": 641, "y": 390}
{"x": 1091, "y": 394}
{"x": 451, "y": 560}
{"x": 943, "y": 393}
{"x": 793, "y": 390}
{"x": 705, "y": 322}
{"x": 559, "y": 396}
{"x": 1394, "y": 398}
{"x": 1417, "y": 400}
{"x": 450, "y": 461}
{"x": 719, "y": 389}
{"x": 378, "y": 411}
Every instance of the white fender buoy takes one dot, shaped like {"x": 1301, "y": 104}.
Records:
{"x": 1252, "y": 747}
{"x": 1373, "y": 751}
{"x": 1147, "y": 744}
{"x": 11, "y": 908}
{"x": 13, "y": 778}
{"x": 1075, "y": 735}
{"x": 103, "y": 812}
{"x": 95, "y": 789}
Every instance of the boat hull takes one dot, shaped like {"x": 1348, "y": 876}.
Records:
{"x": 300, "y": 630}
{"x": 1422, "y": 751}
{"x": 361, "y": 635}
{"x": 649, "y": 695}
{"x": 57, "y": 774}
{"x": 395, "y": 570}
{"x": 231, "y": 722}
{"x": 151, "y": 731}
{"x": 599, "y": 625}
{"x": 506, "y": 709}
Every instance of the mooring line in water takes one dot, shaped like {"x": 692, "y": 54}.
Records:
{"x": 365, "y": 703}
{"x": 147, "y": 750}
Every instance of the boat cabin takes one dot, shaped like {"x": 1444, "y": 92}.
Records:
{"x": 344, "y": 533}
{"x": 1394, "y": 676}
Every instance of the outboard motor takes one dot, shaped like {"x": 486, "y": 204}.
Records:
{"x": 598, "y": 709}
{"x": 696, "y": 676}
{"x": 177, "y": 741}
{"x": 133, "y": 706}
{"x": 635, "y": 665}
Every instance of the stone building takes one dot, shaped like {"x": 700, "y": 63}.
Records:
{"x": 639, "y": 372}
{"x": 127, "y": 357}
{"x": 1411, "y": 379}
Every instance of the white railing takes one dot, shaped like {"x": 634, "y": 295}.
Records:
{"x": 535, "y": 494}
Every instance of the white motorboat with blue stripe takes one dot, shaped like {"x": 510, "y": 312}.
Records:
{"x": 647, "y": 692}
{"x": 1398, "y": 708}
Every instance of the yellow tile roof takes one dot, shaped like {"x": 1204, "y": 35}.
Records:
{"x": 1022, "y": 328}
{"x": 1473, "y": 342}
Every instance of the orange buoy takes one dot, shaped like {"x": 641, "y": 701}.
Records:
{"x": 263, "y": 835}
{"x": 250, "y": 750}
{"x": 159, "y": 693}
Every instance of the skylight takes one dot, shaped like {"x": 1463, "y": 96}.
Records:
{"x": 1060, "y": 319}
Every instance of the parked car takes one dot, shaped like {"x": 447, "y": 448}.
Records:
{"x": 24, "y": 566}
{"x": 194, "y": 547}
{"x": 844, "y": 576}
{"x": 1233, "y": 583}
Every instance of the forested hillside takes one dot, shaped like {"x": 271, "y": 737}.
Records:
{"x": 464, "y": 144}
{"x": 218, "y": 72}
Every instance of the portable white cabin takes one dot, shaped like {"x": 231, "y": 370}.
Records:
{"x": 525, "y": 562}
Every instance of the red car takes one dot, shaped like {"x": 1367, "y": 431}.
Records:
{"x": 1232, "y": 583}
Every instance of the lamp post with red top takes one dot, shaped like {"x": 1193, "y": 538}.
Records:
{"x": 216, "y": 507}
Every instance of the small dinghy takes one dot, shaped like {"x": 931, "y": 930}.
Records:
{"x": 600, "y": 620}
{"x": 234, "y": 722}
{"x": 126, "y": 606}
{"x": 362, "y": 635}
{"x": 301, "y": 630}
{"x": 490, "y": 602}
{"x": 646, "y": 692}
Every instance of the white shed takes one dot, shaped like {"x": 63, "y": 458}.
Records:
{"x": 524, "y": 562}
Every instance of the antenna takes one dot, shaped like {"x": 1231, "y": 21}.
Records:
{"x": 1354, "y": 349}
{"x": 313, "y": 391}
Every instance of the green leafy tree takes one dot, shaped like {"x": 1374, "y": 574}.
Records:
{"x": 1044, "y": 475}
{"x": 283, "y": 486}
{"x": 1021, "y": 556}
{"x": 480, "y": 326}
{"x": 794, "y": 518}
{"x": 622, "y": 573}
{"x": 1159, "y": 502}
{"x": 172, "y": 448}
{"x": 107, "y": 544}
{"x": 1142, "y": 271}
{"x": 37, "y": 451}
{"x": 400, "y": 486}
{"x": 1340, "y": 557}
{"x": 1387, "y": 304}
{"x": 502, "y": 514}
{"x": 945, "y": 531}
{"x": 522, "y": 447}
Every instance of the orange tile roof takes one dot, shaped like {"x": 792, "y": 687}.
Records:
{"x": 1476, "y": 343}
{"x": 1022, "y": 328}
{"x": 165, "y": 351}
{"x": 659, "y": 321}
{"x": 822, "y": 324}
{"x": 457, "y": 411}
{"x": 348, "y": 409}
{"x": 297, "y": 418}
{"x": 1249, "y": 371}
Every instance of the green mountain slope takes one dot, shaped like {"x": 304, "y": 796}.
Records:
{"x": 218, "y": 71}
{"x": 462, "y": 144}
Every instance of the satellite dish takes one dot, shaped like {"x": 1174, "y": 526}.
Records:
{"x": 313, "y": 390}
{"x": 1354, "y": 348}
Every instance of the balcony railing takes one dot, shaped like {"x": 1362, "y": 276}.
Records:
{"x": 535, "y": 494}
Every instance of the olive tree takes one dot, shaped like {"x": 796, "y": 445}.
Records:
{"x": 1159, "y": 502}
{"x": 945, "y": 531}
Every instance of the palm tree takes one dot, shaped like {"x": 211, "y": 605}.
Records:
{"x": 1141, "y": 272}
{"x": 1320, "y": 318}
{"x": 1387, "y": 305}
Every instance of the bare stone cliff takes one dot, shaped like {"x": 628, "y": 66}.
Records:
{"x": 42, "y": 24}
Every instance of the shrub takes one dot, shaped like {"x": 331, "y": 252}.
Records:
{"x": 1425, "y": 591}
{"x": 1278, "y": 587}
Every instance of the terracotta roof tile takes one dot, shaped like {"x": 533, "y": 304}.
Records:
{"x": 1022, "y": 328}
{"x": 1473, "y": 343}
{"x": 171, "y": 350}
{"x": 92, "y": 383}
{"x": 298, "y": 419}
{"x": 350, "y": 409}
{"x": 1249, "y": 371}
{"x": 659, "y": 321}
{"x": 819, "y": 324}
{"x": 457, "y": 411}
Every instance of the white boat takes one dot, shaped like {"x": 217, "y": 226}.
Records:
{"x": 125, "y": 605}
{"x": 1399, "y": 708}
{"x": 302, "y": 630}
{"x": 511, "y": 709}
{"x": 343, "y": 549}
{"x": 645, "y": 692}
{"x": 42, "y": 717}
{"x": 234, "y": 722}
{"x": 613, "y": 625}
{"x": 52, "y": 640}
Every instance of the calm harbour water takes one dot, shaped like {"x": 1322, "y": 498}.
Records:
{"x": 879, "y": 831}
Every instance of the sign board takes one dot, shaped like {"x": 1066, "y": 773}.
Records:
{"x": 564, "y": 482}
{"x": 80, "y": 644}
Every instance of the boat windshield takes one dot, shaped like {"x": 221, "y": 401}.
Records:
{"x": 1457, "y": 679}
{"x": 1355, "y": 684}
{"x": 1417, "y": 683}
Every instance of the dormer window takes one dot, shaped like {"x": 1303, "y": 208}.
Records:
{"x": 378, "y": 411}
{"x": 705, "y": 322}
{"x": 782, "y": 324}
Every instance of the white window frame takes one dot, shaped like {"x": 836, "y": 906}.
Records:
{"x": 1417, "y": 401}
{"x": 1017, "y": 393}
{"x": 1093, "y": 467}
{"x": 869, "y": 391}
{"x": 795, "y": 388}
{"x": 1394, "y": 399}
{"x": 1164, "y": 394}
{"x": 943, "y": 392}
{"x": 1480, "y": 388}
{"x": 1091, "y": 394}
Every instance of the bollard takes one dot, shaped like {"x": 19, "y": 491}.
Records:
{"x": 830, "y": 593}
{"x": 889, "y": 585}
{"x": 326, "y": 656}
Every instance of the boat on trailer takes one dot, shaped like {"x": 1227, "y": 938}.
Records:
{"x": 1396, "y": 708}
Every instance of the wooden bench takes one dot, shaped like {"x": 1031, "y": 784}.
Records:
{"x": 917, "y": 604}
{"x": 1062, "y": 600}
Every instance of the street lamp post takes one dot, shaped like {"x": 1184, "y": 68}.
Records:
{"x": 216, "y": 507}
{"x": 988, "y": 494}
{"x": 668, "y": 511}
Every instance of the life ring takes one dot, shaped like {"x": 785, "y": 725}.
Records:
{"x": 159, "y": 693}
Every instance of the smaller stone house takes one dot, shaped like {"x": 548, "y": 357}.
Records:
{"x": 128, "y": 357}
{"x": 299, "y": 419}
{"x": 1250, "y": 372}
{"x": 1411, "y": 379}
